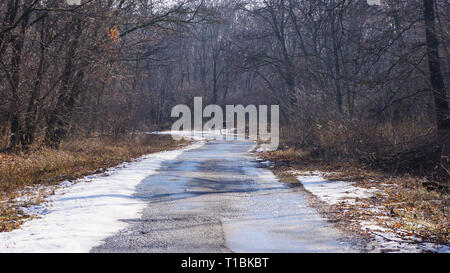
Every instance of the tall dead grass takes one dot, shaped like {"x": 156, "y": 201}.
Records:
{"x": 397, "y": 147}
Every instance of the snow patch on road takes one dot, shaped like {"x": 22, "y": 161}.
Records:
{"x": 80, "y": 215}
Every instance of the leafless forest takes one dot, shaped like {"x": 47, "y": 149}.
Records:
{"x": 353, "y": 80}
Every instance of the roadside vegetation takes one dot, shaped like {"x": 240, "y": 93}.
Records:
{"x": 25, "y": 175}
{"x": 410, "y": 187}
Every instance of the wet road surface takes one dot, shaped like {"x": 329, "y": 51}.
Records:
{"x": 216, "y": 199}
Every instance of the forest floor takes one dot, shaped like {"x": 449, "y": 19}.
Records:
{"x": 27, "y": 179}
{"x": 397, "y": 212}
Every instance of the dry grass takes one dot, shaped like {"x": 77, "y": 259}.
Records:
{"x": 401, "y": 147}
{"x": 74, "y": 159}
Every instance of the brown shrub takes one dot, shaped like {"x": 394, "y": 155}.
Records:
{"x": 405, "y": 146}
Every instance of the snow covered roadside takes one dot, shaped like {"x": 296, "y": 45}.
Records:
{"x": 80, "y": 215}
{"x": 351, "y": 199}
{"x": 334, "y": 192}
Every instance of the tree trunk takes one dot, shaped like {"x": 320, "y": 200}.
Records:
{"x": 436, "y": 78}
{"x": 17, "y": 47}
{"x": 56, "y": 119}
{"x": 32, "y": 109}
{"x": 214, "y": 81}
